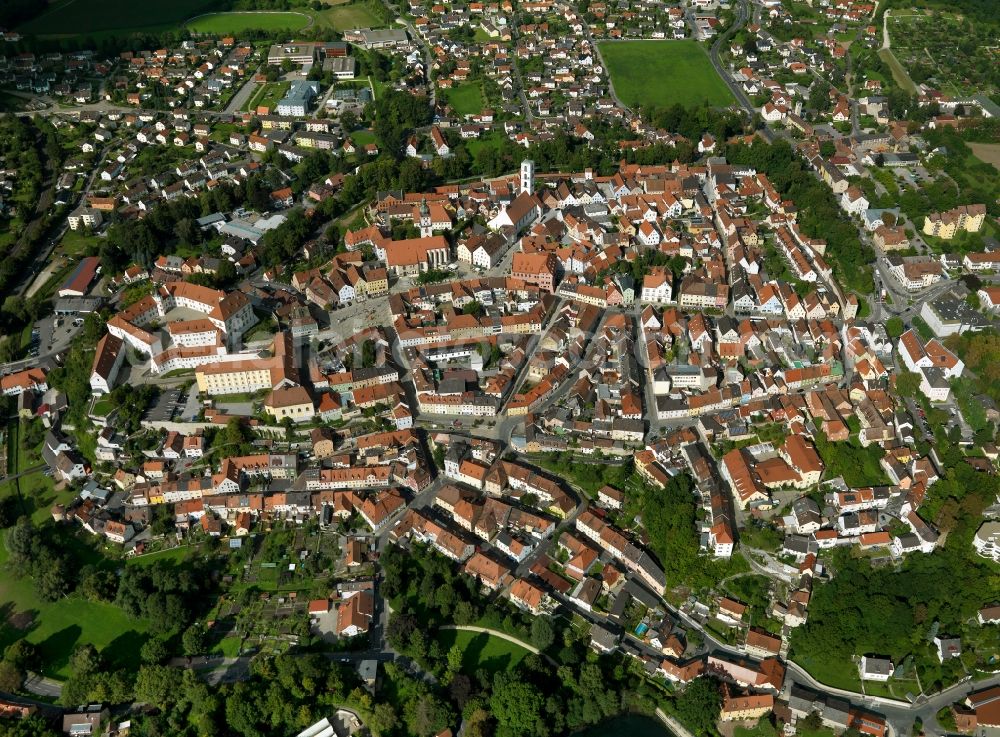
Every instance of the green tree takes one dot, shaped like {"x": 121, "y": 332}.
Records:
{"x": 698, "y": 705}
{"x": 383, "y": 718}
{"x": 85, "y": 660}
{"x": 97, "y": 585}
{"x": 158, "y": 685}
{"x": 907, "y": 384}
{"x": 455, "y": 654}
{"x": 33, "y": 726}
{"x": 22, "y": 654}
{"x": 11, "y": 677}
{"x": 542, "y": 634}
{"x": 894, "y": 327}
{"x": 518, "y": 707}
{"x": 154, "y": 651}
{"x": 427, "y": 715}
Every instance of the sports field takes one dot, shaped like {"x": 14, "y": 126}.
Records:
{"x": 110, "y": 17}
{"x": 661, "y": 73}
{"x": 466, "y": 99}
{"x": 344, "y": 17}
{"x": 220, "y": 23}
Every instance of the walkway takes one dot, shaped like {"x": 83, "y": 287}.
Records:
{"x": 25, "y": 472}
{"x": 676, "y": 727}
{"x": 899, "y": 73}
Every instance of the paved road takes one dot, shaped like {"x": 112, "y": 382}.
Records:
{"x": 428, "y": 66}
{"x": 41, "y": 686}
{"x": 742, "y": 15}
{"x": 242, "y": 97}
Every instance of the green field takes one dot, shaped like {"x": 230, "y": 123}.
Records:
{"x": 363, "y": 137}
{"x": 480, "y": 650}
{"x": 112, "y": 17}
{"x": 222, "y": 23}
{"x": 174, "y": 555}
{"x": 493, "y": 139}
{"x": 466, "y": 99}
{"x": 78, "y": 243}
{"x": 269, "y": 95}
{"x": 661, "y": 73}
{"x": 899, "y": 74}
{"x": 58, "y": 627}
{"x": 344, "y": 17}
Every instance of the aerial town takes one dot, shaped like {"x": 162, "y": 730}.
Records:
{"x": 523, "y": 368}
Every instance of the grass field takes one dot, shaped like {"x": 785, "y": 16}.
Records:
{"x": 78, "y": 243}
{"x": 10, "y": 103}
{"x": 268, "y": 95}
{"x": 834, "y": 672}
{"x": 898, "y": 72}
{"x": 344, "y": 17}
{"x": 173, "y": 555}
{"x": 662, "y": 73}
{"x": 493, "y": 139}
{"x": 39, "y": 494}
{"x": 58, "y": 627}
{"x": 466, "y": 99}
{"x": 221, "y": 23}
{"x": 363, "y": 137}
{"x": 480, "y": 650}
{"x": 111, "y": 17}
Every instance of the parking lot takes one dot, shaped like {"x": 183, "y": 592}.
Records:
{"x": 167, "y": 406}
{"x": 54, "y": 333}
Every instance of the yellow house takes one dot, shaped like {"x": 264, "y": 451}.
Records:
{"x": 376, "y": 282}
{"x": 750, "y": 706}
{"x": 293, "y": 402}
{"x": 940, "y": 225}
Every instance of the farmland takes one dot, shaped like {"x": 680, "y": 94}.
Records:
{"x": 988, "y": 152}
{"x": 112, "y": 17}
{"x": 220, "y": 23}
{"x": 948, "y": 50}
{"x": 661, "y": 73}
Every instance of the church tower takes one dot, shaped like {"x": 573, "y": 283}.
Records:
{"x": 425, "y": 220}
{"x": 527, "y": 176}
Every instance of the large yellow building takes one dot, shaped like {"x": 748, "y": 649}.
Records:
{"x": 945, "y": 225}
{"x": 237, "y": 377}
{"x": 252, "y": 374}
